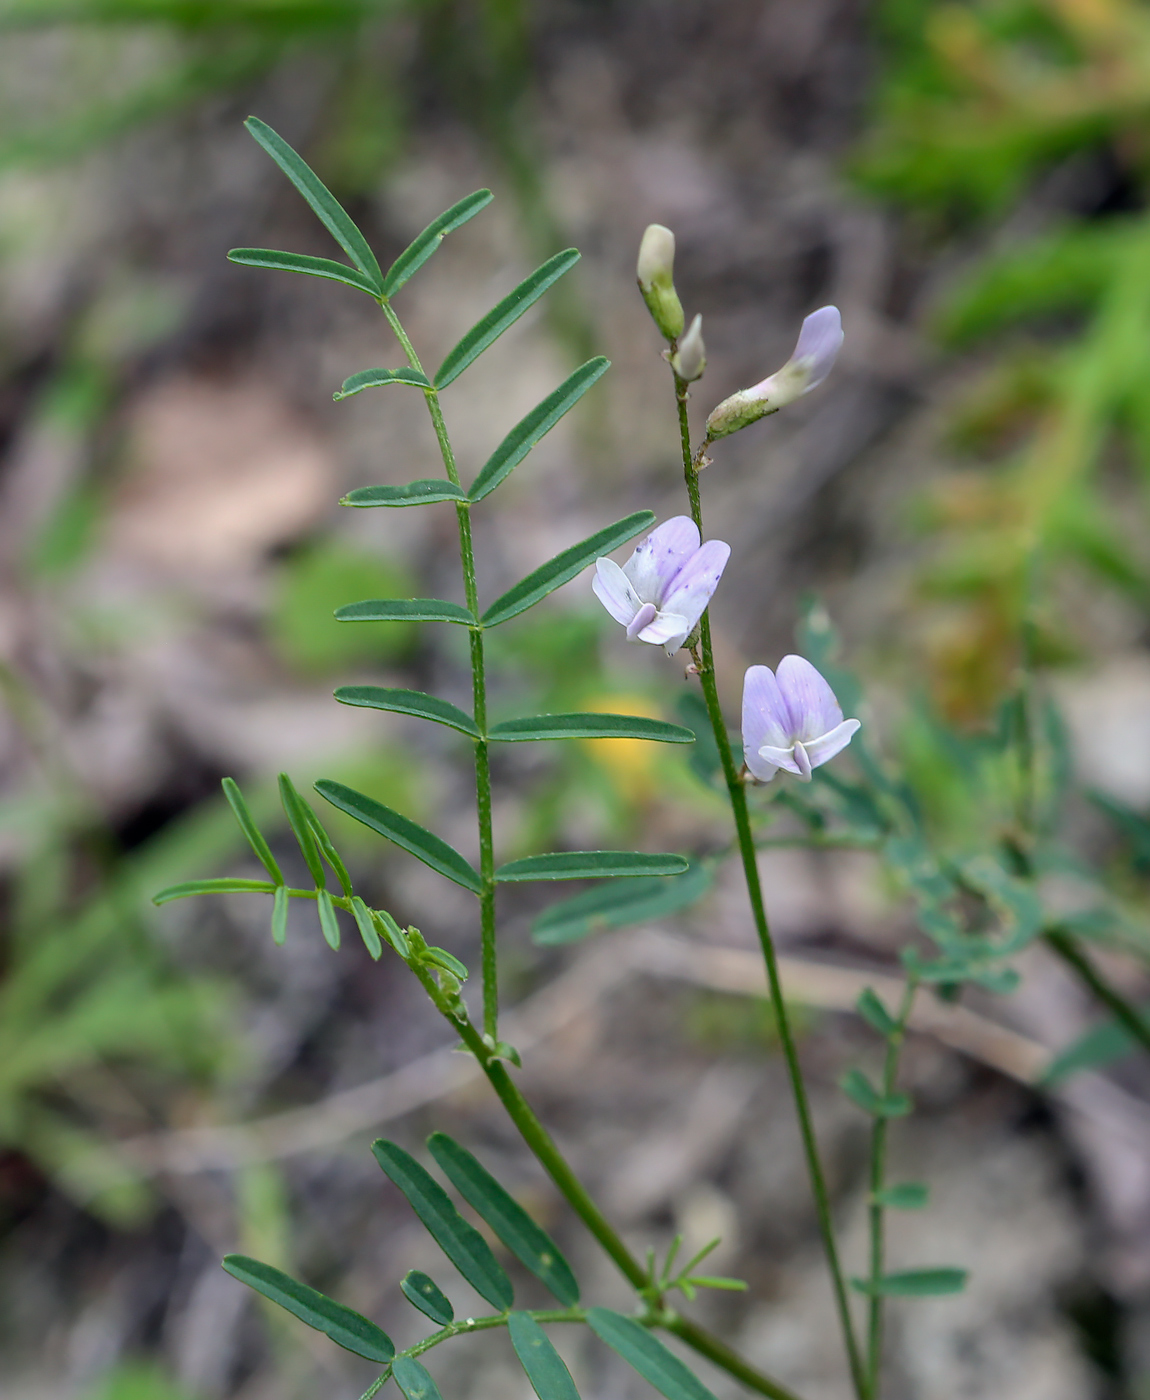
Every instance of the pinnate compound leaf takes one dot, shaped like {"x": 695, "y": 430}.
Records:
{"x": 280, "y": 916}
{"x": 416, "y": 493}
{"x": 301, "y": 262}
{"x": 545, "y": 1369}
{"x": 327, "y": 850}
{"x": 529, "y": 1242}
{"x": 409, "y": 835}
{"x": 858, "y": 1088}
{"x": 345, "y": 1327}
{"x": 323, "y": 203}
{"x": 224, "y": 885}
{"x": 392, "y": 932}
{"x": 560, "y": 570}
{"x": 647, "y": 1355}
{"x": 536, "y": 425}
{"x": 905, "y": 1195}
{"x": 405, "y": 610}
{"x": 503, "y": 316}
{"x": 875, "y": 1014}
{"x": 914, "y": 1283}
{"x": 428, "y": 1297}
{"x": 414, "y": 1380}
{"x": 619, "y": 904}
{"x": 366, "y": 926}
{"x": 421, "y": 248}
{"x": 377, "y": 378}
{"x": 590, "y": 865}
{"x": 589, "y": 726}
{"x": 296, "y": 811}
{"x": 327, "y": 920}
{"x": 459, "y": 1240}
{"x": 251, "y": 831}
{"x": 408, "y": 702}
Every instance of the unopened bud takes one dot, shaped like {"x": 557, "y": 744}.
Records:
{"x": 690, "y": 359}
{"x": 655, "y": 271}
{"x": 814, "y": 356}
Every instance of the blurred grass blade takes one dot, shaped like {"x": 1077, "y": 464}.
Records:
{"x": 413, "y": 1379}
{"x": 421, "y": 248}
{"x": 528, "y": 431}
{"x": 529, "y": 1242}
{"x": 300, "y": 262}
{"x": 225, "y": 885}
{"x": 426, "y": 1295}
{"x": 905, "y": 1195}
{"x": 367, "y": 930}
{"x": 619, "y": 904}
{"x": 345, "y": 1327}
{"x": 405, "y": 610}
{"x": 560, "y": 570}
{"x": 647, "y": 1355}
{"x": 408, "y": 702}
{"x": 589, "y": 726}
{"x": 415, "y": 493}
{"x": 1101, "y": 1045}
{"x": 280, "y": 916}
{"x": 503, "y": 316}
{"x": 914, "y": 1283}
{"x": 550, "y": 1379}
{"x": 590, "y": 865}
{"x": 327, "y": 850}
{"x": 409, "y": 835}
{"x": 459, "y": 1240}
{"x": 377, "y": 378}
{"x": 296, "y": 811}
{"x": 251, "y": 831}
{"x": 324, "y": 204}
{"x": 327, "y": 920}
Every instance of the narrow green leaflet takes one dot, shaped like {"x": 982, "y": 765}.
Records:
{"x": 858, "y": 1088}
{"x": 875, "y": 1014}
{"x": 324, "y": 204}
{"x": 280, "y": 916}
{"x": 590, "y": 865}
{"x": 412, "y": 837}
{"x": 501, "y": 317}
{"x": 218, "y": 886}
{"x": 296, "y": 810}
{"x": 414, "y": 1380}
{"x": 300, "y": 262}
{"x": 1100, "y": 1046}
{"x": 647, "y": 1355}
{"x": 589, "y": 726}
{"x": 618, "y": 904}
{"x": 426, "y": 1295}
{"x": 914, "y": 1283}
{"x": 251, "y": 831}
{"x": 415, "y": 493}
{"x": 345, "y": 1327}
{"x": 391, "y": 931}
{"x": 377, "y": 378}
{"x": 327, "y": 850}
{"x": 327, "y": 920}
{"x": 550, "y": 1379}
{"x": 459, "y": 1240}
{"x": 440, "y": 957}
{"x": 906, "y": 1195}
{"x": 408, "y": 702}
{"x": 421, "y": 248}
{"x": 558, "y": 571}
{"x": 405, "y": 610}
{"x": 536, "y": 425}
{"x": 367, "y": 930}
{"x": 529, "y": 1242}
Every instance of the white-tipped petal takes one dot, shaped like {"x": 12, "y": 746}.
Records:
{"x": 643, "y": 618}
{"x": 779, "y": 758}
{"x": 695, "y": 585}
{"x": 834, "y": 741}
{"x": 669, "y": 630}
{"x": 613, "y": 589}
{"x": 810, "y": 700}
{"x": 656, "y": 263}
{"x": 656, "y": 563}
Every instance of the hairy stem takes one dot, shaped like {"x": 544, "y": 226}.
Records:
{"x": 738, "y": 798}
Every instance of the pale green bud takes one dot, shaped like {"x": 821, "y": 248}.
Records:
{"x": 655, "y": 272}
{"x": 690, "y": 359}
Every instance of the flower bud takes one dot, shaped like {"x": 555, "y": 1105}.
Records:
{"x": 690, "y": 359}
{"x": 655, "y": 272}
{"x": 813, "y": 358}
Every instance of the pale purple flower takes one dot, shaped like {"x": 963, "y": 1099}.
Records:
{"x": 791, "y": 720}
{"x": 660, "y": 592}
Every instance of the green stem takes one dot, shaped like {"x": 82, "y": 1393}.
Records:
{"x": 878, "y": 1146}
{"x": 738, "y": 798}
{"x": 489, "y": 957}
{"x": 1127, "y": 1016}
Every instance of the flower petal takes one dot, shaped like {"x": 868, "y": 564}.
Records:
{"x": 654, "y": 566}
{"x": 810, "y": 701}
{"x": 779, "y": 758}
{"x": 820, "y": 340}
{"x": 613, "y": 589}
{"x": 668, "y": 629}
{"x": 697, "y": 581}
{"x": 765, "y": 720}
{"x": 831, "y": 743}
{"x": 642, "y": 619}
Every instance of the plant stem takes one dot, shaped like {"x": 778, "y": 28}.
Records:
{"x": 878, "y": 1144}
{"x": 738, "y": 798}
{"x": 489, "y": 957}
{"x": 1127, "y": 1016}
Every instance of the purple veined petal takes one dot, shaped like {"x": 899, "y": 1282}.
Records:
{"x": 765, "y": 720}
{"x": 669, "y": 630}
{"x": 831, "y": 743}
{"x": 613, "y": 589}
{"x": 779, "y": 758}
{"x": 810, "y": 701}
{"x": 697, "y": 581}
{"x": 654, "y": 566}
{"x": 643, "y": 618}
{"x": 820, "y": 340}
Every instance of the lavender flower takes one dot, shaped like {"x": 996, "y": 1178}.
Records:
{"x": 660, "y": 593}
{"x": 814, "y": 356}
{"x": 791, "y": 720}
